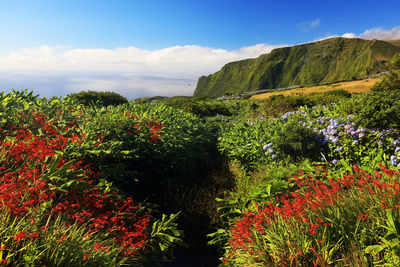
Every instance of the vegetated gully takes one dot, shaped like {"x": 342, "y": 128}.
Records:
{"x": 199, "y": 215}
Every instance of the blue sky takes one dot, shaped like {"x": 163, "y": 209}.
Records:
{"x": 155, "y": 47}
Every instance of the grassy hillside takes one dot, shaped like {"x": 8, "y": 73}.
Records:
{"x": 326, "y": 61}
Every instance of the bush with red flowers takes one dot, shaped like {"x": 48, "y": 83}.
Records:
{"x": 328, "y": 219}
{"x": 55, "y": 208}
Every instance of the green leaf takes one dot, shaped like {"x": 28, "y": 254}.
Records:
{"x": 374, "y": 249}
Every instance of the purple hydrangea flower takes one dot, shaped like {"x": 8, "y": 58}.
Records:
{"x": 333, "y": 132}
{"x": 339, "y": 149}
{"x": 265, "y": 147}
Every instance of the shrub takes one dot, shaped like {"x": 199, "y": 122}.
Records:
{"x": 326, "y": 220}
{"x": 296, "y": 141}
{"x": 392, "y": 80}
{"x": 379, "y": 110}
{"x": 46, "y": 182}
{"x": 279, "y": 104}
{"x": 243, "y": 141}
{"x": 101, "y": 98}
{"x": 339, "y": 92}
{"x": 198, "y": 106}
{"x": 329, "y": 97}
{"x": 244, "y": 97}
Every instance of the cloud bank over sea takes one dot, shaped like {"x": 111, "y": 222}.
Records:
{"x": 132, "y": 72}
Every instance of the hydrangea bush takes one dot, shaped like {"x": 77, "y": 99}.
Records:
{"x": 313, "y": 133}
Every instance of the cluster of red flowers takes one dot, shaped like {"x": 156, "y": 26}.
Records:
{"x": 154, "y": 127}
{"x": 314, "y": 193}
{"x": 24, "y": 186}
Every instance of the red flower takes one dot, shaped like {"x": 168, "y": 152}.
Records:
{"x": 62, "y": 238}
{"x": 19, "y": 237}
{"x": 363, "y": 217}
{"x": 86, "y": 256}
{"x": 33, "y": 235}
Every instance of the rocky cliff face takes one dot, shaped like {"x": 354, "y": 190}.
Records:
{"x": 326, "y": 61}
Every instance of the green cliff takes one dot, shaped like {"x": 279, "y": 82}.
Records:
{"x": 326, "y": 61}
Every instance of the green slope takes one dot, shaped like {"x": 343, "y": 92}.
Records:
{"x": 325, "y": 61}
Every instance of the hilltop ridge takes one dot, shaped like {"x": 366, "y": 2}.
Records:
{"x": 326, "y": 61}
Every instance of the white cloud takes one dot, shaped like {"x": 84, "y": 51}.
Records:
{"x": 130, "y": 71}
{"x": 349, "y": 35}
{"x": 177, "y": 59}
{"x": 306, "y": 26}
{"x": 314, "y": 23}
{"x": 377, "y": 33}
{"x": 374, "y": 33}
{"x": 382, "y": 34}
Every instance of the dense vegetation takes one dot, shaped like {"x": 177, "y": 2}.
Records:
{"x": 293, "y": 181}
{"x": 77, "y": 182}
{"x": 392, "y": 80}
{"x": 318, "y": 185}
{"x": 327, "y": 61}
{"x": 98, "y": 98}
